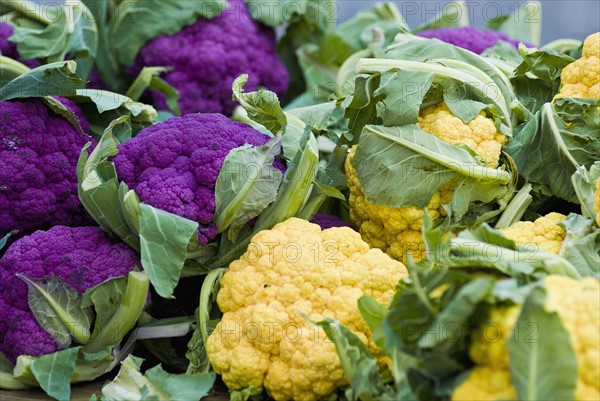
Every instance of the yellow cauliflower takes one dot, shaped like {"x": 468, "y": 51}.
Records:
{"x": 543, "y": 232}
{"x": 397, "y": 231}
{"x": 263, "y": 340}
{"x": 582, "y": 77}
{"x": 577, "y": 304}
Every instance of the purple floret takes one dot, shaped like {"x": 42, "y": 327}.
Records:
{"x": 470, "y": 38}
{"x": 38, "y": 158}
{"x": 82, "y": 257}
{"x": 209, "y": 55}
{"x": 329, "y": 221}
{"x": 9, "y": 49}
{"x": 174, "y": 165}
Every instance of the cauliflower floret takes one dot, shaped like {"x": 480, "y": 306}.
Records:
{"x": 582, "y": 77}
{"x": 397, "y": 231}
{"x": 207, "y": 56}
{"x": 39, "y": 151}
{"x": 82, "y": 257}
{"x": 470, "y": 38}
{"x": 263, "y": 339}
{"x": 545, "y": 232}
{"x": 577, "y": 304}
{"x": 174, "y": 165}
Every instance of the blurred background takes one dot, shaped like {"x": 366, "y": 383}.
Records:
{"x": 560, "y": 19}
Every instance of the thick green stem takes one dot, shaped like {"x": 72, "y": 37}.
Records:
{"x": 516, "y": 208}
{"x": 12, "y": 66}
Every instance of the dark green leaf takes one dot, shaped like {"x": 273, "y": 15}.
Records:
{"x": 105, "y": 298}
{"x": 373, "y": 313}
{"x": 543, "y": 364}
{"x": 359, "y": 366}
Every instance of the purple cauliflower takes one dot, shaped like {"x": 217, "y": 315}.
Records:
{"x": 9, "y": 49}
{"x": 174, "y": 165}
{"x": 209, "y": 55}
{"x": 38, "y": 157}
{"x": 82, "y": 257}
{"x": 328, "y": 221}
{"x": 470, "y": 38}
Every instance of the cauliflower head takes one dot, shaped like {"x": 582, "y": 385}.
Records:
{"x": 9, "y": 49}
{"x": 545, "y": 232}
{"x": 263, "y": 340}
{"x": 82, "y": 257}
{"x": 38, "y": 159}
{"x": 397, "y": 231}
{"x": 326, "y": 221}
{"x": 207, "y": 56}
{"x": 582, "y": 77}
{"x": 470, "y": 38}
{"x": 174, "y": 165}
{"x": 577, "y": 304}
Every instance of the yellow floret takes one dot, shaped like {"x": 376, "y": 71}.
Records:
{"x": 545, "y": 232}
{"x": 582, "y": 77}
{"x": 577, "y": 303}
{"x": 263, "y": 339}
{"x": 397, "y": 231}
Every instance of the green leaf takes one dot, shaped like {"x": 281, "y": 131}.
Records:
{"x": 584, "y": 182}
{"x": 246, "y": 394}
{"x": 387, "y": 156}
{"x": 98, "y": 186}
{"x": 537, "y": 78}
{"x": 457, "y": 312}
{"x": 402, "y": 92}
{"x": 105, "y": 298}
{"x": 562, "y": 137}
{"x": 581, "y": 246}
{"x": 4, "y": 240}
{"x": 53, "y": 372}
{"x": 386, "y": 17}
{"x": 373, "y": 313}
{"x": 164, "y": 238}
{"x": 525, "y": 23}
{"x": 44, "y": 33}
{"x": 58, "y": 309}
{"x": 124, "y": 317}
{"x": 262, "y": 106}
{"x": 277, "y": 13}
{"x": 361, "y": 106}
{"x": 454, "y": 14}
{"x": 543, "y": 364}
{"x": 359, "y": 366}
{"x": 171, "y": 94}
{"x": 136, "y": 22}
{"x": 247, "y": 183}
{"x": 55, "y": 79}
{"x": 130, "y": 384}
{"x": 149, "y": 78}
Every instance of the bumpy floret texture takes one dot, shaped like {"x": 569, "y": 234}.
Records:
{"x": 38, "y": 158}
{"x": 209, "y": 55}
{"x": 581, "y": 78}
{"x": 545, "y": 232}
{"x": 263, "y": 340}
{"x": 174, "y": 165}
{"x": 9, "y": 49}
{"x": 326, "y": 221}
{"x": 82, "y": 257}
{"x": 397, "y": 231}
{"x": 577, "y": 304}
{"x": 470, "y": 38}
